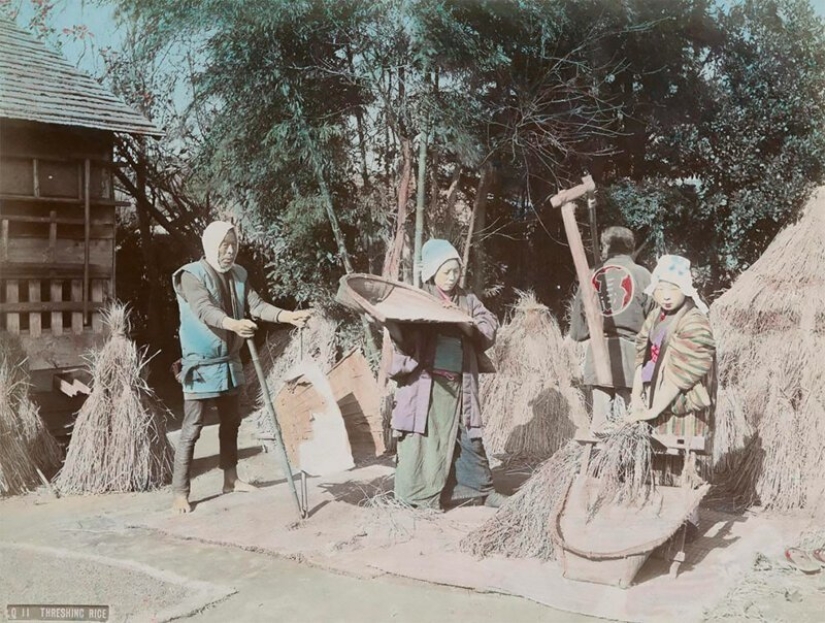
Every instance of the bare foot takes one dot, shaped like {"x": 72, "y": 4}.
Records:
{"x": 180, "y": 505}
{"x": 238, "y": 486}
{"x": 231, "y": 482}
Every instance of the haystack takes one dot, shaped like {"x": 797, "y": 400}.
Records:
{"x": 531, "y": 406}
{"x": 25, "y": 444}
{"x": 119, "y": 440}
{"x": 770, "y": 333}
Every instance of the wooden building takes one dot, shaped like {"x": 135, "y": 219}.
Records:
{"x": 57, "y": 203}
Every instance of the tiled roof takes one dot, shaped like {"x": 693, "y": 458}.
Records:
{"x": 37, "y": 84}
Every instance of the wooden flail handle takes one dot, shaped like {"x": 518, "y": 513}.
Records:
{"x": 595, "y": 324}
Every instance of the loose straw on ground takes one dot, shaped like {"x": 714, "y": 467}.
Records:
{"x": 531, "y": 407}
{"x": 520, "y": 527}
{"x": 119, "y": 440}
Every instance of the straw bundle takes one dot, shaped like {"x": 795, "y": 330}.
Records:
{"x": 119, "y": 440}
{"x": 623, "y": 467}
{"x": 770, "y": 333}
{"x": 316, "y": 342}
{"x": 531, "y": 407}
{"x": 622, "y": 470}
{"x": 520, "y": 527}
{"x": 25, "y": 444}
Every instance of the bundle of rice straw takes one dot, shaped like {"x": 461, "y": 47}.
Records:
{"x": 520, "y": 527}
{"x": 770, "y": 334}
{"x": 17, "y": 469}
{"x": 623, "y": 467}
{"x": 316, "y": 342}
{"x": 119, "y": 441}
{"x": 25, "y": 444}
{"x": 530, "y": 406}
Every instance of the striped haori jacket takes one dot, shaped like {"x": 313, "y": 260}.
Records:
{"x": 687, "y": 360}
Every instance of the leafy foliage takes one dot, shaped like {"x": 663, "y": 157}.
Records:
{"x": 702, "y": 124}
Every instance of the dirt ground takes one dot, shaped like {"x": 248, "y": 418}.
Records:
{"x": 98, "y": 550}
{"x": 80, "y": 550}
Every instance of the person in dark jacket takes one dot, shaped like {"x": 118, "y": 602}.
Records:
{"x": 437, "y": 414}
{"x": 620, "y": 284}
{"x": 214, "y": 298}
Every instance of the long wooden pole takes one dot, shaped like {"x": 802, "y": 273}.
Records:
{"x": 592, "y": 310}
{"x": 601, "y": 360}
{"x": 87, "y": 228}
{"x": 276, "y": 427}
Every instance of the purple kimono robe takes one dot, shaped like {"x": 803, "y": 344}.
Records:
{"x": 412, "y": 362}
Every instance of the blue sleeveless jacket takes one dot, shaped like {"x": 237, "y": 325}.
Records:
{"x": 211, "y": 361}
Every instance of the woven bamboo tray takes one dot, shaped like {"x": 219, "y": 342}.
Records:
{"x": 612, "y": 546}
{"x": 387, "y": 300}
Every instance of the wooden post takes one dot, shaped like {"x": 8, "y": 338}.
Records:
{"x": 590, "y": 301}
{"x": 35, "y": 325}
{"x": 57, "y": 316}
{"x": 52, "y": 252}
{"x": 98, "y": 295}
{"x": 13, "y": 296}
{"x": 77, "y": 297}
{"x": 87, "y": 215}
{"x": 5, "y": 242}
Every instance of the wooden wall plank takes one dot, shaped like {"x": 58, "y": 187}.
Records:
{"x": 77, "y": 297}
{"x": 65, "y": 251}
{"x": 47, "y": 306}
{"x": 98, "y": 294}
{"x": 56, "y": 290}
{"x": 50, "y": 254}
{"x": 13, "y": 296}
{"x": 35, "y": 320}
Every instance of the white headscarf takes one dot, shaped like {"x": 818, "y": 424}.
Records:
{"x": 212, "y": 238}
{"x": 433, "y": 255}
{"x": 675, "y": 269}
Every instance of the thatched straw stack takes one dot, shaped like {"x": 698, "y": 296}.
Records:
{"x": 316, "y": 342}
{"x": 770, "y": 333}
{"x": 25, "y": 444}
{"x": 530, "y": 406}
{"x": 119, "y": 440}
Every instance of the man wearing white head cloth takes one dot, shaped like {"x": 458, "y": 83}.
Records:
{"x": 214, "y": 299}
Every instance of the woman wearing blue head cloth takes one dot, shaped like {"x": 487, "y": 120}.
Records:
{"x": 437, "y": 415}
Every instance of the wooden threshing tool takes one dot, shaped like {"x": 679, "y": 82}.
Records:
{"x": 595, "y": 322}
{"x": 276, "y": 427}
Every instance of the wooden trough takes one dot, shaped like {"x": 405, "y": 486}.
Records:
{"x": 387, "y": 300}
{"x": 612, "y": 546}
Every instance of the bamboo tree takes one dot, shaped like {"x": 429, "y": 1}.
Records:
{"x": 419, "y": 205}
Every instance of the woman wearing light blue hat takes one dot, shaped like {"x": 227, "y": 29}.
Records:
{"x": 437, "y": 414}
